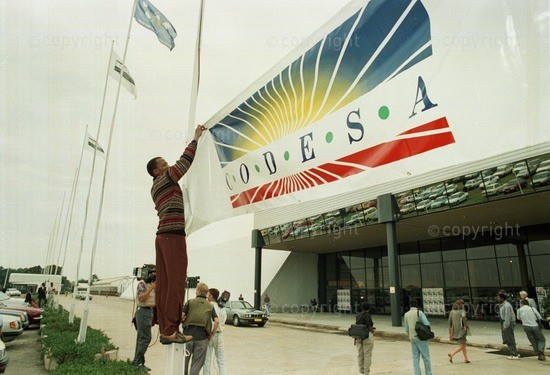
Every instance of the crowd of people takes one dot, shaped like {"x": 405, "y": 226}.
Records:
{"x": 458, "y": 331}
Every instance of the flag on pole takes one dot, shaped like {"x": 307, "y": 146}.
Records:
{"x": 150, "y": 17}
{"x": 114, "y": 70}
{"x": 91, "y": 143}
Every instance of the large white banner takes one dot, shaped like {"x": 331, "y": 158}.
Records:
{"x": 386, "y": 90}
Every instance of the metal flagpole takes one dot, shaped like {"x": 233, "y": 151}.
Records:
{"x": 50, "y": 246}
{"x": 83, "y": 324}
{"x": 71, "y": 205}
{"x": 71, "y": 314}
{"x": 56, "y": 234}
{"x": 6, "y": 278}
{"x": 196, "y": 74}
{"x": 46, "y": 257}
{"x": 64, "y": 229}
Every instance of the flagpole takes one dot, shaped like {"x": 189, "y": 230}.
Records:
{"x": 193, "y": 106}
{"x": 46, "y": 257}
{"x": 71, "y": 314}
{"x": 71, "y": 205}
{"x": 64, "y": 228}
{"x": 50, "y": 246}
{"x": 56, "y": 233}
{"x": 83, "y": 324}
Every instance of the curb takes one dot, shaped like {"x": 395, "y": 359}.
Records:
{"x": 326, "y": 328}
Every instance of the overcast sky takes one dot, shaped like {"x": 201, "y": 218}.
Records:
{"x": 53, "y": 61}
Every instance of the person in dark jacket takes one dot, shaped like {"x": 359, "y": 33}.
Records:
{"x": 365, "y": 346}
{"x": 42, "y": 295}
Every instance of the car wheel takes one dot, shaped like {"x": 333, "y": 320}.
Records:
{"x": 236, "y": 321}
{"x": 261, "y": 324}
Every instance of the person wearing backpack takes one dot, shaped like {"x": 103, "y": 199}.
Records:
{"x": 364, "y": 345}
{"x": 420, "y": 348}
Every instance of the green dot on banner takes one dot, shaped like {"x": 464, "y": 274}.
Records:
{"x": 234, "y": 179}
{"x": 257, "y": 168}
{"x": 287, "y": 155}
{"x": 384, "y": 112}
{"x": 329, "y": 137}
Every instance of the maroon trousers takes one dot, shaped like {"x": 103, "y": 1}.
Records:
{"x": 171, "y": 275}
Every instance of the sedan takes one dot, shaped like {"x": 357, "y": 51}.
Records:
{"x": 472, "y": 184}
{"x": 542, "y": 178}
{"x": 13, "y": 304}
{"x": 492, "y": 189}
{"x": 371, "y": 214}
{"x": 514, "y": 185}
{"x": 407, "y": 208}
{"x": 242, "y": 312}
{"x": 11, "y": 327}
{"x": 21, "y": 315}
{"x": 12, "y": 292}
{"x": 503, "y": 170}
{"x": 458, "y": 198}
{"x": 4, "y": 358}
{"x": 424, "y": 205}
{"x": 544, "y": 166}
{"x": 439, "y": 202}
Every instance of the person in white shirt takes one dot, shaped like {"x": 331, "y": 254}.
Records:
{"x": 529, "y": 317}
{"x": 215, "y": 340}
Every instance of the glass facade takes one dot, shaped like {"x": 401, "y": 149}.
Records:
{"x": 473, "y": 269}
{"x": 504, "y": 181}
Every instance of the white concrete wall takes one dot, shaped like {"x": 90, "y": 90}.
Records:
{"x": 295, "y": 284}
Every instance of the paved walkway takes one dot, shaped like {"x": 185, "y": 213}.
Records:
{"x": 484, "y": 334}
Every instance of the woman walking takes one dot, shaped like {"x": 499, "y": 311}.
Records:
{"x": 458, "y": 329}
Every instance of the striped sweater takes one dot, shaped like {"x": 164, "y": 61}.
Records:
{"x": 167, "y": 194}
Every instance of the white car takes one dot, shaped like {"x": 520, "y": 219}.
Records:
{"x": 544, "y": 166}
{"x": 439, "y": 202}
{"x": 451, "y": 188}
{"x": 424, "y": 205}
{"x": 541, "y": 178}
{"x": 11, "y": 327}
{"x": 355, "y": 219}
{"x": 489, "y": 180}
{"x": 371, "y": 213}
{"x": 407, "y": 208}
{"x": 472, "y": 184}
{"x": 458, "y": 197}
{"x": 492, "y": 189}
{"x": 81, "y": 294}
{"x": 12, "y": 292}
{"x": 503, "y": 170}
{"x": 4, "y": 358}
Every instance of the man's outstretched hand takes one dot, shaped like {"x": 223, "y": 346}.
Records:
{"x": 198, "y": 132}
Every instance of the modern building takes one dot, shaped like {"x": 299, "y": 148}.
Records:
{"x": 31, "y": 281}
{"x": 465, "y": 237}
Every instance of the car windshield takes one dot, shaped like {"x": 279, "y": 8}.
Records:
{"x": 241, "y": 305}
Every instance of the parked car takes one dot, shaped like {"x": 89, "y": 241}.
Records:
{"x": 503, "y": 170}
{"x": 242, "y": 312}
{"x": 458, "y": 197}
{"x": 542, "y": 178}
{"x": 514, "y": 185}
{"x": 439, "y": 202}
{"x": 471, "y": 176}
{"x": 23, "y": 316}
{"x": 355, "y": 219}
{"x": 4, "y": 358}
{"x": 492, "y": 189}
{"x": 11, "y": 327}
{"x": 81, "y": 295}
{"x": 523, "y": 172}
{"x": 488, "y": 180}
{"x": 7, "y": 300}
{"x": 532, "y": 165}
{"x": 473, "y": 183}
{"x": 544, "y": 166}
{"x": 436, "y": 193}
{"x": 451, "y": 188}
{"x": 371, "y": 214}
{"x": 12, "y": 292}
{"x": 424, "y": 205}
{"x": 407, "y": 208}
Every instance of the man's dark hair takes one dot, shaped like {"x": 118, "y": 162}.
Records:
{"x": 365, "y": 306}
{"x": 502, "y": 296}
{"x": 152, "y": 165}
{"x": 525, "y": 302}
{"x": 215, "y": 293}
{"x": 413, "y": 303}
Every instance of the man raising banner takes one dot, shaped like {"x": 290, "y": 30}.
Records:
{"x": 171, "y": 250}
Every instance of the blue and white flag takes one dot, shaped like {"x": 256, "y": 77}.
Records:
{"x": 150, "y": 17}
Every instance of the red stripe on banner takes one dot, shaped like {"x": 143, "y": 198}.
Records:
{"x": 440, "y": 123}
{"x": 399, "y": 149}
{"x": 341, "y": 170}
{"x": 372, "y": 157}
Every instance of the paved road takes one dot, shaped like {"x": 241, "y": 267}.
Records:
{"x": 277, "y": 349}
{"x": 24, "y": 354}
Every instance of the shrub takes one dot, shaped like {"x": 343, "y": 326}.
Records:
{"x": 59, "y": 342}
{"x": 98, "y": 368}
